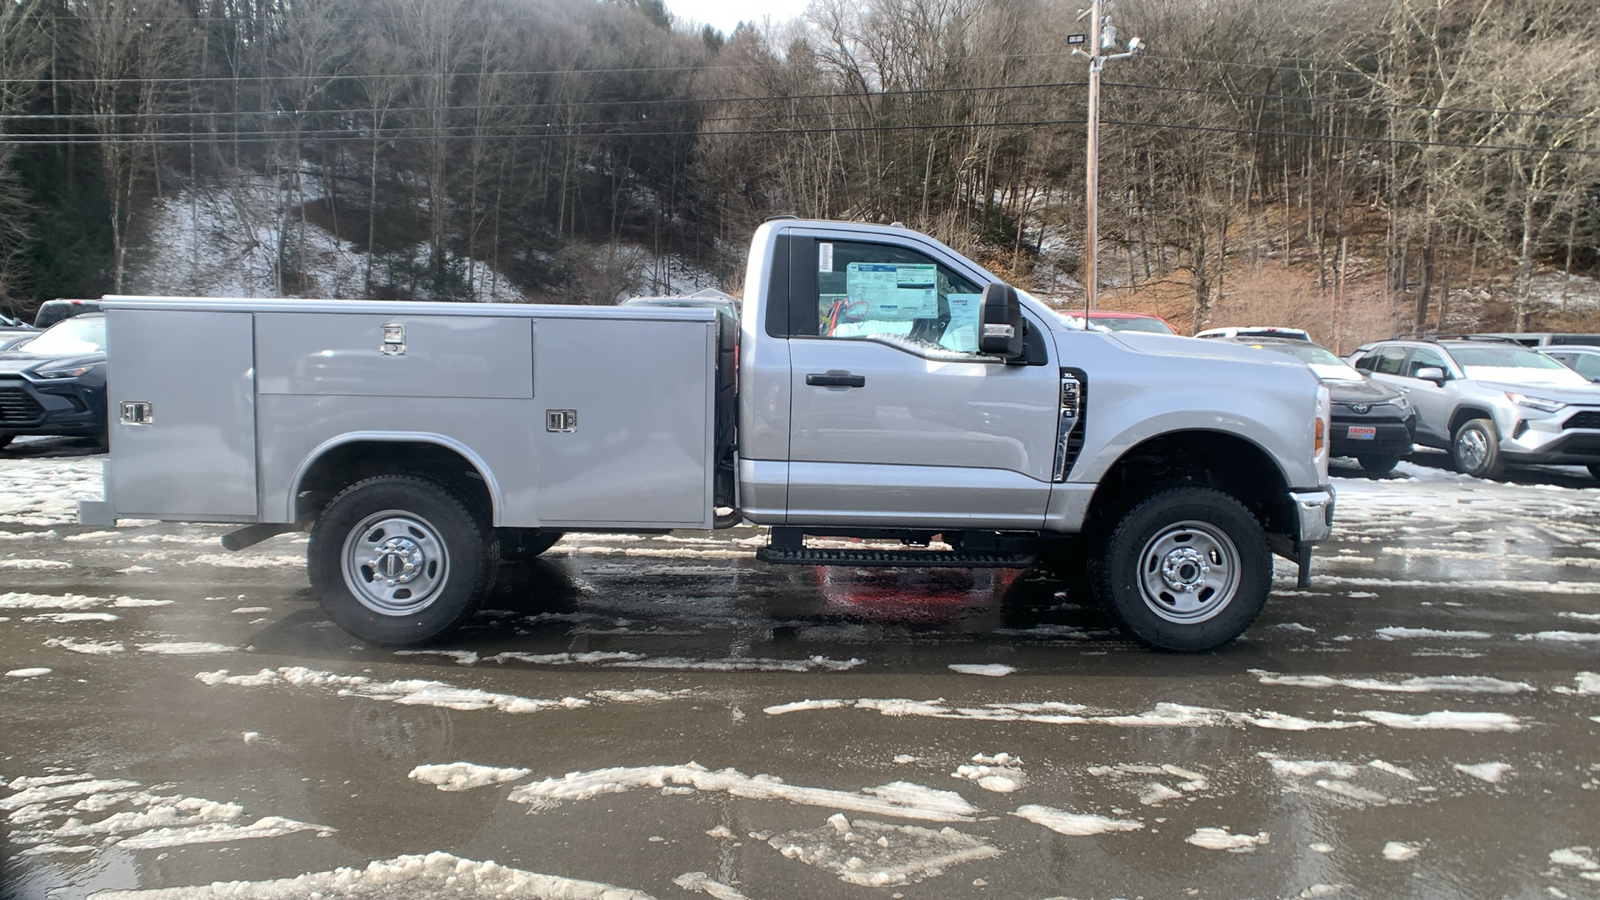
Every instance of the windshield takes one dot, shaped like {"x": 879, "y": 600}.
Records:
{"x": 1514, "y": 365}
{"x": 1305, "y": 352}
{"x": 1502, "y": 357}
{"x": 1319, "y": 358}
{"x": 1153, "y": 326}
{"x": 1146, "y": 324}
{"x": 79, "y": 334}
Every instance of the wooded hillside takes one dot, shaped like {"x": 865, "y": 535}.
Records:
{"x": 1426, "y": 144}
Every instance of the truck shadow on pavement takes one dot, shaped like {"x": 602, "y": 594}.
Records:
{"x": 25, "y": 447}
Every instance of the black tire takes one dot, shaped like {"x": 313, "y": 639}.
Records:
{"x": 5, "y": 440}
{"x": 1186, "y": 569}
{"x": 1594, "y": 468}
{"x": 1475, "y": 449}
{"x": 526, "y": 543}
{"x": 1378, "y": 465}
{"x": 443, "y": 554}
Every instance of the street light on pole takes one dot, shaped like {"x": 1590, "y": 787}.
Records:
{"x": 1102, "y": 38}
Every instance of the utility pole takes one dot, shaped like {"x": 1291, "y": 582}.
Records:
{"x": 1103, "y": 38}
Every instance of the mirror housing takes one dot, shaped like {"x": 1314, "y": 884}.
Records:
{"x": 1000, "y": 326}
{"x": 1431, "y": 373}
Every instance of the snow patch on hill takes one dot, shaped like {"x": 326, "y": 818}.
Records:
{"x": 221, "y": 241}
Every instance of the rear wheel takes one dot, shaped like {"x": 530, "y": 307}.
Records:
{"x": 1185, "y": 569}
{"x": 1476, "y": 449}
{"x": 399, "y": 560}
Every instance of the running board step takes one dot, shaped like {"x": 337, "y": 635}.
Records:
{"x": 946, "y": 559}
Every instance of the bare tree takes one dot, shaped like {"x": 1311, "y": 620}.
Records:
{"x": 125, "y": 55}
{"x": 22, "y": 60}
{"x": 311, "y": 51}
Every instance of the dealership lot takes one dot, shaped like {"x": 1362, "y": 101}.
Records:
{"x": 664, "y": 716}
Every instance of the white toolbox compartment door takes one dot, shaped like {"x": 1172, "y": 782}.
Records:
{"x": 182, "y": 410}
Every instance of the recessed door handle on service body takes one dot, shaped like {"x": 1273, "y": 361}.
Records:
{"x": 836, "y": 379}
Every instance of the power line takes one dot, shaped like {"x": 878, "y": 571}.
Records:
{"x": 702, "y": 101}
{"x": 1359, "y": 101}
{"x": 1368, "y": 103}
{"x": 262, "y": 137}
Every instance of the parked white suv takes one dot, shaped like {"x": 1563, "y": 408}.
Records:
{"x": 1491, "y": 403}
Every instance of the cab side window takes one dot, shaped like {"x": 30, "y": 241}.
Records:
{"x": 894, "y": 295}
{"x": 1390, "y": 360}
{"x": 1422, "y": 358}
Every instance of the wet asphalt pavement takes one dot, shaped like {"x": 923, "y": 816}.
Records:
{"x": 666, "y": 717}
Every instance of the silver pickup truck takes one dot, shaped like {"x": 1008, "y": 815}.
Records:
{"x": 879, "y": 386}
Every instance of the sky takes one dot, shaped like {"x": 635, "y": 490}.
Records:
{"x": 723, "y": 15}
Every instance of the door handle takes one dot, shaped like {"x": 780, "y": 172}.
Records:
{"x": 836, "y": 379}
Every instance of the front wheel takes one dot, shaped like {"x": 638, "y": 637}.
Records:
{"x": 1476, "y": 449}
{"x": 1378, "y": 465}
{"x": 399, "y": 560}
{"x": 1186, "y": 569}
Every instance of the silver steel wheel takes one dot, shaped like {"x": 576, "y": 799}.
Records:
{"x": 1189, "y": 572}
{"x": 395, "y": 563}
{"x": 1472, "y": 449}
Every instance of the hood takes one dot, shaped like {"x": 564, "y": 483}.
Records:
{"x": 1364, "y": 391}
{"x": 1520, "y": 378}
{"x": 1582, "y": 394}
{"x": 16, "y": 362}
{"x": 1199, "y": 348}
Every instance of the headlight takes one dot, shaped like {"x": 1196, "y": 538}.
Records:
{"x": 63, "y": 372}
{"x": 1540, "y": 404}
{"x": 68, "y": 372}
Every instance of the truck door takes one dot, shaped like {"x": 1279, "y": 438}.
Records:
{"x": 1432, "y": 401}
{"x": 895, "y": 418}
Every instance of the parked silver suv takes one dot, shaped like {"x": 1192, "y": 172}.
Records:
{"x": 1491, "y": 403}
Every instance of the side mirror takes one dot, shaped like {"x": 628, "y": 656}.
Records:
{"x": 1000, "y": 322}
{"x": 1431, "y": 373}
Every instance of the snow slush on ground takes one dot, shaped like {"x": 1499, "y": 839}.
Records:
{"x": 875, "y": 854}
{"x": 434, "y": 875}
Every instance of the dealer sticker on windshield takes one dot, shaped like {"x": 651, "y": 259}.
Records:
{"x": 1363, "y": 432}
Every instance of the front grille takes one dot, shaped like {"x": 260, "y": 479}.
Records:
{"x": 1589, "y": 418}
{"x": 16, "y": 405}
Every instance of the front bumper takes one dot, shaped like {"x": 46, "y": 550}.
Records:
{"x": 1313, "y": 518}
{"x": 1559, "y": 438}
{"x": 1315, "y": 513}
{"x": 1356, "y": 437}
{"x": 68, "y": 406}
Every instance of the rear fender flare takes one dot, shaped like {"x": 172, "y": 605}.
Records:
{"x": 496, "y": 499}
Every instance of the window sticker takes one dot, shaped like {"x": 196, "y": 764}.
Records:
{"x": 962, "y": 333}
{"x": 894, "y": 292}
{"x": 824, "y": 257}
